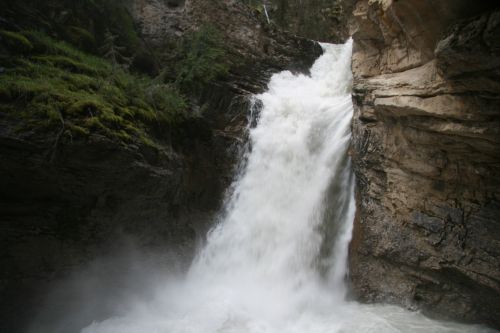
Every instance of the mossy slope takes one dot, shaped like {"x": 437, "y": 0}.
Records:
{"x": 50, "y": 86}
{"x": 72, "y": 68}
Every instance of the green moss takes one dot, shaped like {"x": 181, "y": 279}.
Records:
{"x": 46, "y": 46}
{"x": 143, "y": 113}
{"x": 66, "y": 63}
{"x": 114, "y": 94}
{"x": 87, "y": 107}
{"x": 81, "y": 38}
{"x": 112, "y": 118}
{"x": 78, "y": 22}
{"x": 52, "y": 114}
{"x": 124, "y": 135}
{"x": 163, "y": 97}
{"x": 55, "y": 83}
{"x": 79, "y": 130}
{"x": 148, "y": 142}
{"x": 16, "y": 41}
{"x": 81, "y": 82}
{"x": 93, "y": 123}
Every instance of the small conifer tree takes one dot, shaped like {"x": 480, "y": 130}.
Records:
{"x": 114, "y": 53}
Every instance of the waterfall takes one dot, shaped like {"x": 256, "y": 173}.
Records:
{"x": 270, "y": 237}
{"x": 277, "y": 260}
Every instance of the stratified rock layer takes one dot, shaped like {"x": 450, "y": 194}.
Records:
{"x": 426, "y": 150}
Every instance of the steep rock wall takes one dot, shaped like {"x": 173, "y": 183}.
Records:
{"x": 322, "y": 20}
{"x": 93, "y": 196}
{"x": 258, "y": 49}
{"x": 426, "y": 155}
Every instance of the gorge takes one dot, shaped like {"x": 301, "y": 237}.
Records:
{"x": 276, "y": 261}
{"x": 108, "y": 198}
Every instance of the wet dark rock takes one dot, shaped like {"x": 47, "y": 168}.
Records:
{"x": 472, "y": 46}
{"x": 62, "y": 208}
{"x": 321, "y": 20}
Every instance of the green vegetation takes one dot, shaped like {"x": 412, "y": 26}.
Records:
{"x": 56, "y": 88}
{"x": 114, "y": 53}
{"x": 16, "y": 41}
{"x": 72, "y": 68}
{"x": 81, "y": 23}
{"x": 203, "y": 59}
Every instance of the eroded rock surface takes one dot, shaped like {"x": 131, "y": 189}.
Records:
{"x": 258, "y": 49}
{"x": 321, "y": 20}
{"x": 426, "y": 149}
{"x": 65, "y": 205}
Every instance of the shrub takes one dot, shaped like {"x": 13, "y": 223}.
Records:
{"x": 165, "y": 99}
{"x": 204, "y": 59}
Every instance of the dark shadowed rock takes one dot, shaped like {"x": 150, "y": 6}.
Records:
{"x": 321, "y": 20}
{"x": 62, "y": 208}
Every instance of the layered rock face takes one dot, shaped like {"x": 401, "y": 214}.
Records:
{"x": 258, "y": 49}
{"x": 426, "y": 144}
{"x": 322, "y": 20}
{"x": 63, "y": 207}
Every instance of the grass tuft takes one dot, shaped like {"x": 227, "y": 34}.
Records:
{"x": 15, "y": 41}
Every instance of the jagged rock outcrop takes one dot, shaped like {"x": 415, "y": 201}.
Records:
{"x": 322, "y": 20}
{"x": 426, "y": 144}
{"x": 257, "y": 48}
{"x": 64, "y": 205}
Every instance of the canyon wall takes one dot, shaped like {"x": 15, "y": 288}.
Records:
{"x": 321, "y": 20}
{"x": 66, "y": 204}
{"x": 425, "y": 152}
{"x": 426, "y": 135}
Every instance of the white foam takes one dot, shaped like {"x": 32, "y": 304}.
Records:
{"x": 264, "y": 267}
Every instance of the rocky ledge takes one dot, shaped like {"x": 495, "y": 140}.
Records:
{"x": 426, "y": 144}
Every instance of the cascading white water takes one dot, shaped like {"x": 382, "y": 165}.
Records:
{"x": 276, "y": 262}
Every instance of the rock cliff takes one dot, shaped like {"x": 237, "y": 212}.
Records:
{"x": 256, "y": 46}
{"x": 426, "y": 156}
{"x": 321, "y": 20}
{"x": 65, "y": 204}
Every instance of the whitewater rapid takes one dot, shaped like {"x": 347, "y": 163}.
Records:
{"x": 276, "y": 261}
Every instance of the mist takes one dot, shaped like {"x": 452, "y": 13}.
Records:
{"x": 112, "y": 285}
